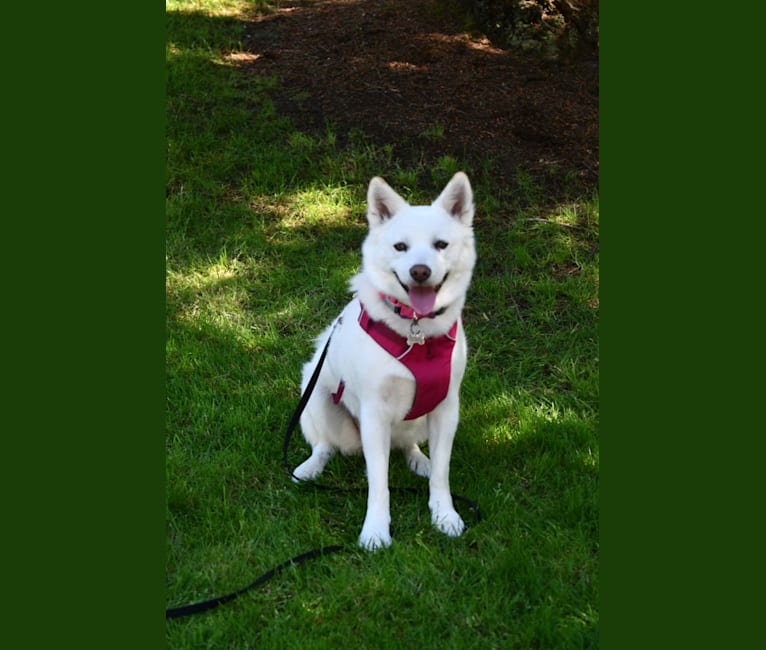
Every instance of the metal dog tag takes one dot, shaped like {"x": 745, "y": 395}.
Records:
{"x": 416, "y": 335}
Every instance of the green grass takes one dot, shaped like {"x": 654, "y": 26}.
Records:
{"x": 264, "y": 227}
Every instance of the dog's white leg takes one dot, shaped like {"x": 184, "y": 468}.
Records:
{"x": 327, "y": 427}
{"x": 314, "y": 464}
{"x": 376, "y": 445}
{"x": 418, "y": 462}
{"x": 442, "y": 424}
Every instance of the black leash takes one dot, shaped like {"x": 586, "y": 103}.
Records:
{"x": 196, "y": 608}
{"x": 205, "y": 605}
{"x": 296, "y": 417}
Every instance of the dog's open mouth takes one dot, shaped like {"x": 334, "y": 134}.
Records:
{"x": 422, "y": 298}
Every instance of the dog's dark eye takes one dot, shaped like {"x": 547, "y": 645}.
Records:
{"x": 400, "y": 246}
{"x": 440, "y": 245}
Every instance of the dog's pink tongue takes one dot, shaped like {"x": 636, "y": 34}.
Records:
{"x": 422, "y": 300}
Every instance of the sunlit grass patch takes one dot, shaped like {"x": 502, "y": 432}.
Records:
{"x": 328, "y": 206}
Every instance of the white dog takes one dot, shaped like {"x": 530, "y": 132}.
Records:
{"x": 397, "y": 356}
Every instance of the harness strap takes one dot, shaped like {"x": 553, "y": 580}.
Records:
{"x": 429, "y": 361}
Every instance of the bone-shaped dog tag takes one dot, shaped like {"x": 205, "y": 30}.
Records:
{"x": 416, "y": 335}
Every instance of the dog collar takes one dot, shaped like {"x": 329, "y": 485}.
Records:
{"x": 405, "y": 311}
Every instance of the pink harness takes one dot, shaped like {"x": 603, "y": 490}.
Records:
{"x": 430, "y": 363}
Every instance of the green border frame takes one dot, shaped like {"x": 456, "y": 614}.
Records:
{"x": 83, "y": 462}
{"x": 678, "y": 114}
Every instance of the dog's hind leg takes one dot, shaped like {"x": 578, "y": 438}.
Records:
{"x": 316, "y": 424}
{"x": 327, "y": 427}
{"x": 417, "y": 461}
{"x": 314, "y": 464}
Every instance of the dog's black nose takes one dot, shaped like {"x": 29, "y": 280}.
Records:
{"x": 420, "y": 272}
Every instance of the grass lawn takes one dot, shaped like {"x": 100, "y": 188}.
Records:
{"x": 264, "y": 228}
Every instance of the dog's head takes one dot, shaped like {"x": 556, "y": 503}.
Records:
{"x": 421, "y": 255}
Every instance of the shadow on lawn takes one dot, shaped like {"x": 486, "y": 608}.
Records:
{"x": 435, "y": 88}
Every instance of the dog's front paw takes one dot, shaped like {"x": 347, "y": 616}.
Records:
{"x": 448, "y": 521}
{"x": 371, "y": 538}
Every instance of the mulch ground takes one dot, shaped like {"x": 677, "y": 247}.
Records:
{"x": 408, "y": 72}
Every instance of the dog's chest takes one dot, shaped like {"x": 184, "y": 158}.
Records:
{"x": 430, "y": 363}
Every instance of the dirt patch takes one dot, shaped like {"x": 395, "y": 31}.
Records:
{"x": 409, "y": 74}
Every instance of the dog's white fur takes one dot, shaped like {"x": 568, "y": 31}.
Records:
{"x": 379, "y": 390}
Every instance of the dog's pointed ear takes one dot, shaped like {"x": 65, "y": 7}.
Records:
{"x": 456, "y": 199}
{"x": 382, "y": 202}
